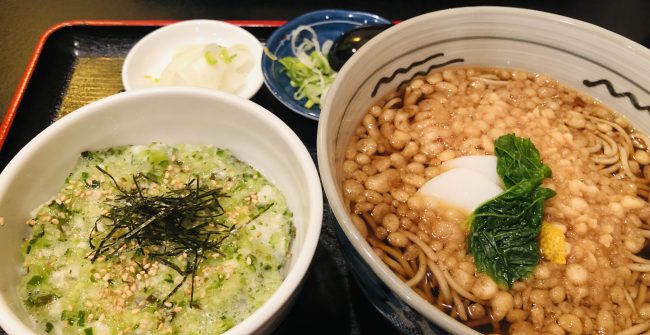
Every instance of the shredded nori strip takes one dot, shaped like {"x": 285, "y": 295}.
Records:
{"x": 162, "y": 227}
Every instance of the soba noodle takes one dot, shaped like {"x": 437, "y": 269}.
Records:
{"x": 601, "y": 173}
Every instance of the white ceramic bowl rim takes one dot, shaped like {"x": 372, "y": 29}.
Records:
{"x": 487, "y": 10}
{"x": 206, "y": 31}
{"x": 13, "y": 325}
{"x": 387, "y": 276}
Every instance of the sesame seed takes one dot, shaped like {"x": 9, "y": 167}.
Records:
{"x": 55, "y": 221}
{"x": 177, "y": 309}
{"x": 168, "y": 304}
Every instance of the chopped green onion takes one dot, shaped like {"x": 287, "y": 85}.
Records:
{"x": 210, "y": 59}
{"x": 308, "y": 71}
{"x": 226, "y": 56}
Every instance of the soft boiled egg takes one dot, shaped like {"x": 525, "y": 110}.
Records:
{"x": 469, "y": 182}
{"x": 484, "y": 165}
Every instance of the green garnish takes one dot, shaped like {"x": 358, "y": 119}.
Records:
{"x": 81, "y": 318}
{"x": 48, "y": 327}
{"x": 503, "y": 230}
{"x": 186, "y": 221}
{"x": 226, "y": 56}
{"x": 210, "y": 58}
{"x": 311, "y": 80}
{"x": 37, "y": 236}
{"x": 40, "y": 300}
{"x": 519, "y": 160}
{"x": 155, "y": 80}
{"x": 35, "y": 281}
{"x": 88, "y": 331}
{"x": 223, "y": 54}
{"x": 308, "y": 69}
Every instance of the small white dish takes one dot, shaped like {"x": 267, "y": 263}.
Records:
{"x": 149, "y": 57}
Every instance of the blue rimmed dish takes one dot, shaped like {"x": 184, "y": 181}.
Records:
{"x": 328, "y": 25}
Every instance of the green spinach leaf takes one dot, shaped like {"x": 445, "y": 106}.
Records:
{"x": 518, "y": 160}
{"x": 503, "y": 230}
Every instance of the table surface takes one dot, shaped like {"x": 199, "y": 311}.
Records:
{"x": 23, "y": 21}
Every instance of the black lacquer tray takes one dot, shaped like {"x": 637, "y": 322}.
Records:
{"x": 78, "y": 62}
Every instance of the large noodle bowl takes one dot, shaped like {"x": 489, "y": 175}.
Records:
{"x": 600, "y": 167}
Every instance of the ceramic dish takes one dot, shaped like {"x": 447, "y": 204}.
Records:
{"x": 592, "y": 60}
{"x": 196, "y": 116}
{"x": 149, "y": 57}
{"x": 328, "y": 24}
